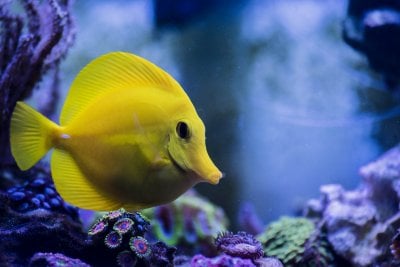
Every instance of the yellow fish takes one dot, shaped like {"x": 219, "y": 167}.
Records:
{"x": 129, "y": 137}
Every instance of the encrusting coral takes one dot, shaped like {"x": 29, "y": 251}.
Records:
{"x": 296, "y": 242}
{"x": 25, "y": 233}
{"x": 54, "y": 260}
{"x": 190, "y": 223}
{"x": 38, "y": 194}
{"x": 240, "y": 249}
{"x": 286, "y": 238}
{"x": 222, "y": 261}
{"x": 240, "y": 245}
{"x": 245, "y": 246}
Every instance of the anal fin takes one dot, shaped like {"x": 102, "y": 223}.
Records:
{"x": 74, "y": 187}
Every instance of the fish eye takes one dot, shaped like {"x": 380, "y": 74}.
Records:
{"x": 182, "y": 129}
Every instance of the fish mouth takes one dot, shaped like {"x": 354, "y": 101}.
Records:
{"x": 176, "y": 164}
{"x": 192, "y": 175}
{"x": 212, "y": 178}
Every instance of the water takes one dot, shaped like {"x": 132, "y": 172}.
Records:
{"x": 288, "y": 107}
{"x": 285, "y": 113}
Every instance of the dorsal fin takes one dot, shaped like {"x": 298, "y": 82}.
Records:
{"x": 114, "y": 71}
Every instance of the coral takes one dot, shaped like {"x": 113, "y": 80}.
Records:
{"x": 239, "y": 249}
{"x": 286, "y": 238}
{"x": 33, "y": 40}
{"x": 140, "y": 246}
{"x": 126, "y": 259}
{"x": 395, "y": 249}
{"x": 38, "y": 193}
{"x": 98, "y": 227}
{"x": 269, "y": 262}
{"x": 240, "y": 245}
{"x": 54, "y": 260}
{"x": 317, "y": 251}
{"x": 224, "y": 261}
{"x": 31, "y": 44}
{"x": 122, "y": 226}
{"x": 20, "y": 233}
{"x": 161, "y": 254}
{"x": 190, "y": 223}
{"x": 113, "y": 214}
{"x": 296, "y": 243}
{"x": 182, "y": 261}
{"x": 119, "y": 236}
{"x": 350, "y": 217}
{"x": 360, "y": 224}
{"x": 221, "y": 261}
{"x": 113, "y": 239}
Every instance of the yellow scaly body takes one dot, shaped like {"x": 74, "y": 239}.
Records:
{"x": 129, "y": 137}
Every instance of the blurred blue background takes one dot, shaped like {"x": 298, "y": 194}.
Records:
{"x": 287, "y": 104}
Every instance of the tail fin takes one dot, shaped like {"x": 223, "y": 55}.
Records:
{"x": 30, "y": 135}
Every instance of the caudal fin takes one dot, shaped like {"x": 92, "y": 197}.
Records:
{"x": 30, "y": 135}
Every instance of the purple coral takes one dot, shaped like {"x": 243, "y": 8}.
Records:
{"x": 54, "y": 260}
{"x": 114, "y": 214}
{"x": 241, "y": 245}
{"x": 190, "y": 223}
{"x": 164, "y": 215}
{"x": 123, "y": 225}
{"x": 126, "y": 259}
{"x": 31, "y": 44}
{"x": 98, "y": 227}
{"x": 395, "y": 246}
{"x": 119, "y": 234}
{"x": 220, "y": 261}
{"x": 113, "y": 239}
{"x": 161, "y": 254}
{"x": 38, "y": 194}
{"x": 359, "y": 223}
{"x": 21, "y": 232}
{"x": 140, "y": 246}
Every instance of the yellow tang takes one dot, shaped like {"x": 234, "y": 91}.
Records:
{"x": 129, "y": 136}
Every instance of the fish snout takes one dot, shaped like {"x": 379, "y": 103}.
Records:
{"x": 214, "y": 177}
{"x": 205, "y": 169}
